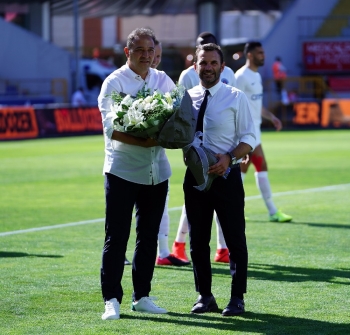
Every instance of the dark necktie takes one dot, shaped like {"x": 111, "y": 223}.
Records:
{"x": 201, "y": 112}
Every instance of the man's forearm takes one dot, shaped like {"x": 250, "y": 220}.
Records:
{"x": 133, "y": 140}
{"x": 241, "y": 150}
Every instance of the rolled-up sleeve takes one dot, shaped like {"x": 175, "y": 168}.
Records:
{"x": 104, "y": 104}
{"x": 245, "y": 124}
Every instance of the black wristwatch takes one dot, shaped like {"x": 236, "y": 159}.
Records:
{"x": 232, "y": 158}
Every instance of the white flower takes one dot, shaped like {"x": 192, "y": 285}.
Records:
{"x": 127, "y": 101}
{"x": 131, "y": 114}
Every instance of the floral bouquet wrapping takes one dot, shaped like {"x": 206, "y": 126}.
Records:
{"x": 166, "y": 117}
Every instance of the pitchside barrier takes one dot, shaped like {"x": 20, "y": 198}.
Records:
{"x": 25, "y": 122}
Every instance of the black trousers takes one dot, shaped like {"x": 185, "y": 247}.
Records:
{"x": 226, "y": 197}
{"x": 149, "y": 201}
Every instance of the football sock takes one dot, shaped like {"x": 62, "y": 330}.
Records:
{"x": 163, "y": 249}
{"x": 183, "y": 227}
{"x": 221, "y": 244}
{"x": 263, "y": 184}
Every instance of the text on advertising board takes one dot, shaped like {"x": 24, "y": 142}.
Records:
{"x": 17, "y": 123}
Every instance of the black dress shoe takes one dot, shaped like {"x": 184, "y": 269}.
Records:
{"x": 234, "y": 307}
{"x": 204, "y": 304}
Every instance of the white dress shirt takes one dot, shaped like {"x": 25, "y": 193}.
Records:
{"x": 131, "y": 162}
{"x": 227, "y": 118}
{"x": 189, "y": 77}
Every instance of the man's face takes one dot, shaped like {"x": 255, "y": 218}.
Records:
{"x": 157, "y": 56}
{"x": 209, "y": 67}
{"x": 257, "y": 56}
{"x": 140, "y": 55}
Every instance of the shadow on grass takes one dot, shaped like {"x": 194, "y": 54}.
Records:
{"x": 13, "y": 254}
{"x": 298, "y": 274}
{"x": 279, "y": 273}
{"x": 270, "y": 324}
{"x": 322, "y": 225}
{"x": 311, "y": 224}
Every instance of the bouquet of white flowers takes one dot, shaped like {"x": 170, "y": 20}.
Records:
{"x": 146, "y": 114}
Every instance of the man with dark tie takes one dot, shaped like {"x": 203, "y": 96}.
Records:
{"x": 228, "y": 130}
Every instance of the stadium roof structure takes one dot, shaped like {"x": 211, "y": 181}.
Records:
{"x": 147, "y": 7}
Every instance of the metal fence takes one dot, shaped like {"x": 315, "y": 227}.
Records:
{"x": 31, "y": 91}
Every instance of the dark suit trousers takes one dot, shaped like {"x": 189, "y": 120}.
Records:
{"x": 149, "y": 201}
{"x": 226, "y": 197}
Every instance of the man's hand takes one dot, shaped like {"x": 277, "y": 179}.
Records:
{"x": 266, "y": 114}
{"x": 149, "y": 142}
{"x": 245, "y": 160}
{"x": 133, "y": 140}
{"x": 221, "y": 166}
{"x": 276, "y": 122}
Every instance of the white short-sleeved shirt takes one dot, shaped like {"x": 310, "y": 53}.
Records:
{"x": 227, "y": 120}
{"x": 189, "y": 77}
{"x": 131, "y": 162}
{"x": 250, "y": 83}
{"x": 78, "y": 99}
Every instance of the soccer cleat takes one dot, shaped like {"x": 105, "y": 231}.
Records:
{"x": 179, "y": 250}
{"x": 280, "y": 217}
{"x": 147, "y": 305}
{"x": 222, "y": 256}
{"x": 112, "y": 308}
{"x": 171, "y": 260}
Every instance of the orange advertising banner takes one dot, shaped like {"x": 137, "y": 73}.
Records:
{"x": 335, "y": 113}
{"x": 74, "y": 120}
{"x": 18, "y": 123}
{"x": 306, "y": 113}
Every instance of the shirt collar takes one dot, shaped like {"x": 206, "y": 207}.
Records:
{"x": 212, "y": 90}
{"x": 136, "y": 76}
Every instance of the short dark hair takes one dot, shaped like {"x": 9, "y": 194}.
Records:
{"x": 156, "y": 42}
{"x": 250, "y": 46}
{"x": 136, "y": 33}
{"x": 209, "y": 47}
{"x": 202, "y": 37}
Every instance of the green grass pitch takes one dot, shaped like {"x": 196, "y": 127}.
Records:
{"x": 298, "y": 274}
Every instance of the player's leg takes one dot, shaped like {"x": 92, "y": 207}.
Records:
{"x": 164, "y": 255}
{"x": 222, "y": 253}
{"x": 263, "y": 184}
{"x": 179, "y": 246}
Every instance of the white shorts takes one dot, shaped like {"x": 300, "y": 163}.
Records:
{"x": 257, "y": 135}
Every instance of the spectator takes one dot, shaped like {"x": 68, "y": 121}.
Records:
{"x": 78, "y": 99}
{"x": 279, "y": 75}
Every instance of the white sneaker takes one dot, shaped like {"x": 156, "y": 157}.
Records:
{"x": 111, "y": 310}
{"x": 147, "y": 305}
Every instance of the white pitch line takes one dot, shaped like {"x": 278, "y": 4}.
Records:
{"x": 279, "y": 194}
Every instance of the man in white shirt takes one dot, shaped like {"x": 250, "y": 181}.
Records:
{"x": 248, "y": 80}
{"x": 228, "y": 130}
{"x": 136, "y": 174}
{"x": 189, "y": 78}
{"x": 78, "y": 99}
